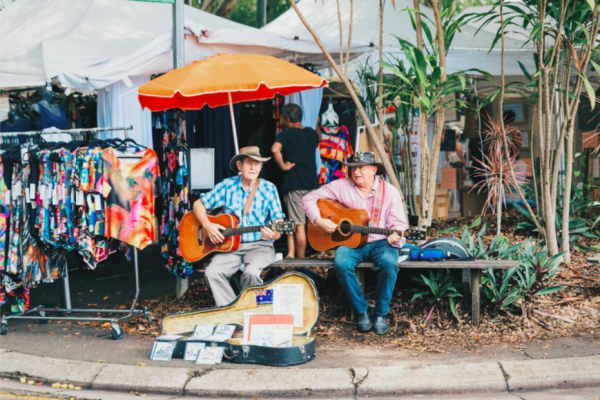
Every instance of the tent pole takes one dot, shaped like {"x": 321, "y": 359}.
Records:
{"x": 235, "y": 140}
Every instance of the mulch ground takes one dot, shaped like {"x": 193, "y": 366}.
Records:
{"x": 570, "y": 312}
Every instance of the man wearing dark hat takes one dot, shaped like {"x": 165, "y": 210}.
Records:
{"x": 365, "y": 190}
{"x": 235, "y": 195}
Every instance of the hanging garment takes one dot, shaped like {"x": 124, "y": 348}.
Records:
{"x": 130, "y": 186}
{"x": 50, "y": 120}
{"x": 4, "y": 205}
{"x": 175, "y": 182}
{"x": 335, "y": 149}
{"x": 22, "y": 125}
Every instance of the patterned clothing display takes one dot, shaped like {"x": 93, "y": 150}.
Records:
{"x": 69, "y": 199}
{"x": 231, "y": 196}
{"x": 335, "y": 148}
{"x": 130, "y": 186}
{"x": 175, "y": 188}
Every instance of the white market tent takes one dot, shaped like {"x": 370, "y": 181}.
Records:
{"x": 89, "y": 44}
{"x": 114, "y": 46}
{"x": 468, "y": 50}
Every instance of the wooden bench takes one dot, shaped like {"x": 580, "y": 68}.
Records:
{"x": 471, "y": 272}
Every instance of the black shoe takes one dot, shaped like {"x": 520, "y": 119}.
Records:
{"x": 381, "y": 326}
{"x": 363, "y": 322}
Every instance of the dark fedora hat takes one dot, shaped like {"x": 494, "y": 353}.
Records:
{"x": 249, "y": 151}
{"x": 361, "y": 158}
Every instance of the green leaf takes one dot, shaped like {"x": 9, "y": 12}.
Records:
{"x": 596, "y": 67}
{"x": 463, "y": 81}
{"x": 527, "y": 74}
{"x": 419, "y": 294}
{"x": 590, "y": 91}
{"x": 455, "y": 228}
{"x": 549, "y": 290}
{"x": 475, "y": 223}
{"x": 396, "y": 71}
{"x": 425, "y": 101}
{"x": 592, "y": 4}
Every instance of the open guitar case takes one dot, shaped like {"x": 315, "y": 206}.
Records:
{"x": 255, "y": 299}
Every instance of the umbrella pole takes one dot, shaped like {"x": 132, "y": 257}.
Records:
{"x": 235, "y": 140}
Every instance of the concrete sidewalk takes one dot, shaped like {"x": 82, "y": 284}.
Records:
{"x": 410, "y": 378}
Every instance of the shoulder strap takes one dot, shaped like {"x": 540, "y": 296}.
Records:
{"x": 378, "y": 203}
{"x": 251, "y": 198}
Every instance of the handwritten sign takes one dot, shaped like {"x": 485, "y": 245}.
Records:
{"x": 590, "y": 140}
{"x": 448, "y": 178}
{"x": 529, "y": 163}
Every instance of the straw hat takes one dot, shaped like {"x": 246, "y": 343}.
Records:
{"x": 249, "y": 151}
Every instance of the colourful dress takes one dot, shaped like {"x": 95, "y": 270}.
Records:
{"x": 130, "y": 187}
{"x": 175, "y": 184}
{"x": 335, "y": 149}
{"x": 3, "y": 217}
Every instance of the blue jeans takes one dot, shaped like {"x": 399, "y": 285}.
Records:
{"x": 385, "y": 257}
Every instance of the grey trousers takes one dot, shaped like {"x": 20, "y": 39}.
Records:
{"x": 256, "y": 256}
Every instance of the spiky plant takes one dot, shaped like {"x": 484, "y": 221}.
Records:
{"x": 497, "y": 179}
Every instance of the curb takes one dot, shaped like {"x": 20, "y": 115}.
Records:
{"x": 424, "y": 379}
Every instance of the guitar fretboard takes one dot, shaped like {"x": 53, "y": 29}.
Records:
{"x": 242, "y": 230}
{"x": 371, "y": 230}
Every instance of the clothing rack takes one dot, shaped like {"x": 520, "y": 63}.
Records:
{"x": 116, "y": 330}
{"x": 126, "y": 129}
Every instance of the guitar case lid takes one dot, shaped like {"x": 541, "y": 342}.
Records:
{"x": 254, "y": 299}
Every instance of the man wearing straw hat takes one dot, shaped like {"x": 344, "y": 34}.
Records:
{"x": 365, "y": 190}
{"x": 255, "y": 202}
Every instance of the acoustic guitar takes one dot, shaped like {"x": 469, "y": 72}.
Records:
{"x": 353, "y": 228}
{"x": 196, "y": 245}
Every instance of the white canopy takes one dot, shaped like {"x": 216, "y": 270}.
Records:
{"x": 89, "y": 44}
{"x": 468, "y": 50}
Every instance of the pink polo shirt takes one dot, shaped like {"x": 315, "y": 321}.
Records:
{"x": 346, "y": 192}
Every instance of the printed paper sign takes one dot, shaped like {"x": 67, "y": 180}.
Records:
{"x": 210, "y": 355}
{"x": 288, "y": 299}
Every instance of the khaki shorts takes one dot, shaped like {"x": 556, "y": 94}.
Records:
{"x": 293, "y": 202}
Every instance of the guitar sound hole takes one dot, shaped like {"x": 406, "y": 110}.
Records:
{"x": 200, "y": 236}
{"x": 345, "y": 227}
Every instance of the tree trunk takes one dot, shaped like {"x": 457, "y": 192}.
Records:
{"x": 380, "y": 75}
{"x": 350, "y": 37}
{"x": 440, "y": 118}
{"x": 341, "y": 27}
{"x": 423, "y": 147}
{"x": 567, "y": 196}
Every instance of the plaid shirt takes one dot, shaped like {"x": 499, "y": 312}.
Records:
{"x": 231, "y": 195}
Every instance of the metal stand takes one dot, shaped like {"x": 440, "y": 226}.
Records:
{"x": 116, "y": 330}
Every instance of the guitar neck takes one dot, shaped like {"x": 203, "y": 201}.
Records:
{"x": 242, "y": 230}
{"x": 370, "y": 230}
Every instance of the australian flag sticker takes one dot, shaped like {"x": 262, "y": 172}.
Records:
{"x": 264, "y": 296}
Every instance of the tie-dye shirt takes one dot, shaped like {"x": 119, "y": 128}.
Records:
{"x": 3, "y": 216}
{"x": 130, "y": 186}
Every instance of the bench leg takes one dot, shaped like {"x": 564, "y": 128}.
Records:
{"x": 466, "y": 277}
{"x": 475, "y": 299}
